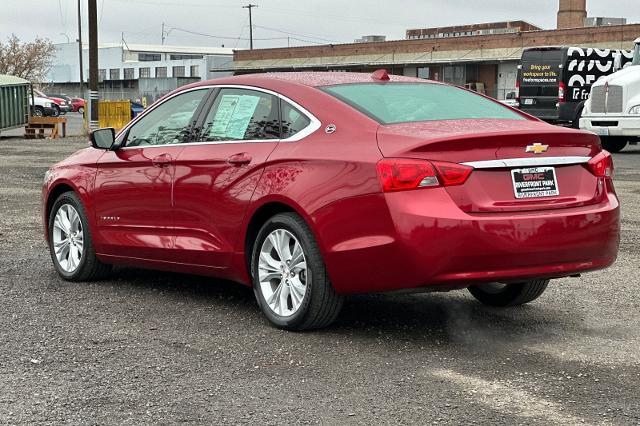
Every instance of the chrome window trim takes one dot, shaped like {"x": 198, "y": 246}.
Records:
{"x": 314, "y": 124}
{"x": 525, "y": 162}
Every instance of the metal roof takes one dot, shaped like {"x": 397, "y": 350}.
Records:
{"x": 382, "y": 59}
{"x": 162, "y": 48}
{"x": 11, "y": 80}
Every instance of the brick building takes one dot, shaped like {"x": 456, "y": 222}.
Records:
{"x": 482, "y": 53}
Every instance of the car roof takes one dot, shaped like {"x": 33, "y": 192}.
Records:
{"x": 311, "y": 79}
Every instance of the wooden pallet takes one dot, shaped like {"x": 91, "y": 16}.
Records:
{"x": 45, "y": 127}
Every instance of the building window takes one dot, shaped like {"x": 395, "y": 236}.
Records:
{"x": 184, "y": 57}
{"x": 129, "y": 74}
{"x": 145, "y": 72}
{"x": 178, "y": 71}
{"x": 195, "y": 71}
{"x": 149, "y": 57}
{"x": 102, "y": 75}
{"x": 114, "y": 74}
{"x": 161, "y": 72}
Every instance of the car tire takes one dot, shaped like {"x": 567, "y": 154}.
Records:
{"x": 76, "y": 260}
{"x": 283, "y": 237}
{"x": 497, "y": 294}
{"x": 576, "y": 120}
{"x": 56, "y": 111}
{"x": 81, "y": 110}
{"x": 613, "y": 144}
{"x": 38, "y": 111}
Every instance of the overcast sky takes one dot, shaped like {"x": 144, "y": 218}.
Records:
{"x": 304, "y": 22}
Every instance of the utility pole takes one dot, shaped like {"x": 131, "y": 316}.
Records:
{"x": 93, "y": 65}
{"x": 163, "y": 33}
{"x": 250, "y": 6}
{"x": 80, "y": 49}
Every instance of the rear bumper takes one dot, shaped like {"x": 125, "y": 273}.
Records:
{"x": 613, "y": 126}
{"x": 430, "y": 243}
{"x": 547, "y": 114}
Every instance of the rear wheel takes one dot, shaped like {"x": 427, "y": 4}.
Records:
{"x": 498, "y": 294}
{"x": 613, "y": 144}
{"x": 70, "y": 242}
{"x": 576, "y": 120}
{"x": 290, "y": 281}
{"x": 38, "y": 111}
{"x": 81, "y": 110}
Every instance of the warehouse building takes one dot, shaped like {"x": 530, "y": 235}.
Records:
{"x": 481, "y": 56}
{"x": 131, "y": 71}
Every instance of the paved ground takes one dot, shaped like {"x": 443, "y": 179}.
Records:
{"x": 149, "y": 347}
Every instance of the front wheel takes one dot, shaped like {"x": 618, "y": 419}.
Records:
{"x": 70, "y": 243}
{"x": 56, "y": 111}
{"x": 613, "y": 144}
{"x": 290, "y": 281}
{"x": 499, "y": 294}
{"x": 81, "y": 110}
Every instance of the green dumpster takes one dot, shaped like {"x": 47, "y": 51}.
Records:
{"x": 14, "y": 102}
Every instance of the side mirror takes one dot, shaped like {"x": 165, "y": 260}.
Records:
{"x": 617, "y": 61}
{"x": 103, "y": 138}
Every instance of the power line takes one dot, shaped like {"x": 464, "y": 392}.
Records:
{"x": 296, "y": 34}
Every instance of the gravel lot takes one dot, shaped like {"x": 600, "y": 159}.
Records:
{"x": 151, "y": 347}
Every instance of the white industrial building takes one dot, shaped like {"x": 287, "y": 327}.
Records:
{"x": 130, "y": 71}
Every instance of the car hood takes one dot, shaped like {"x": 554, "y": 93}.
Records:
{"x": 630, "y": 73}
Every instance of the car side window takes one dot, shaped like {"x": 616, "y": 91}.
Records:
{"x": 293, "y": 121}
{"x": 168, "y": 123}
{"x": 242, "y": 114}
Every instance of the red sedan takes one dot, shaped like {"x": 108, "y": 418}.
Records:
{"x": 312, "y": 186}
{"x": 78, "y": 105}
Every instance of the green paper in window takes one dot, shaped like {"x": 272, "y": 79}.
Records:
{"x": 233, "y": 116}
{"x": 242, "y": 116}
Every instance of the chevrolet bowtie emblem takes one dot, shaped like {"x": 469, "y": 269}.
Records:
{"x": 537, "y": 148}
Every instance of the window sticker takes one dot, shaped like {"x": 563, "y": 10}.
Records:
{"x": 233, "y": 116}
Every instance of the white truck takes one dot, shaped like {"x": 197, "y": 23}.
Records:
{"x": 41, "y": 106}
{"x": 613, "y": 108}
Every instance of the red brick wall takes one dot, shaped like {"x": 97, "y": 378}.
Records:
{"x": 614, "y": 34}
{"x": 571, "y": 13}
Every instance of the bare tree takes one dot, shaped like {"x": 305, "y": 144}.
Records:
{"x": 29, "y": 60}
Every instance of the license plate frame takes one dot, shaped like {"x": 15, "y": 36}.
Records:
{"x": 534, "y": 182}
{"x": 527, "y": 101}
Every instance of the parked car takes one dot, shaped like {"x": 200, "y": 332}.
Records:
{"x": 312, "y": 186}
{"x": 136, "y": 108}
{"x": 78, "y": 105}
{"x": 43, "y": 107}
{"x": 60, "y": 104}
{"x": 554, "y": 82}
{"x": 511, "y": 100}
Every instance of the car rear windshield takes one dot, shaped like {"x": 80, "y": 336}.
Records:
{"x": 391, "y": 103}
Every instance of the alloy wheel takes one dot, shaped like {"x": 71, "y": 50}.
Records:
{"x": 68, "y": 238}
{"x": 282, "y": 271}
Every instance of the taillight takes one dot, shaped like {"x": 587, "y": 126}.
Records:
{"x": 602, "y": 165}
{"x": 401, "y": 174}
{"x": 561, "y": 92}
{"x": 517, "y": 90}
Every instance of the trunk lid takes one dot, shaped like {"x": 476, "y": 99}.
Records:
{"x": 490, "y": 187}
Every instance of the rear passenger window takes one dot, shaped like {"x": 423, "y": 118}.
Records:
{"x": 241, "y": 114}
{"x": 293, "y": 121}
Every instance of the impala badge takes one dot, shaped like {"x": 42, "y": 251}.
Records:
{"x": 537, "y": 148}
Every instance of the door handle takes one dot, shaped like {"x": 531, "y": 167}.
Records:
{"x": 239, "y": 159}
{"x": 162, "y": 160}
